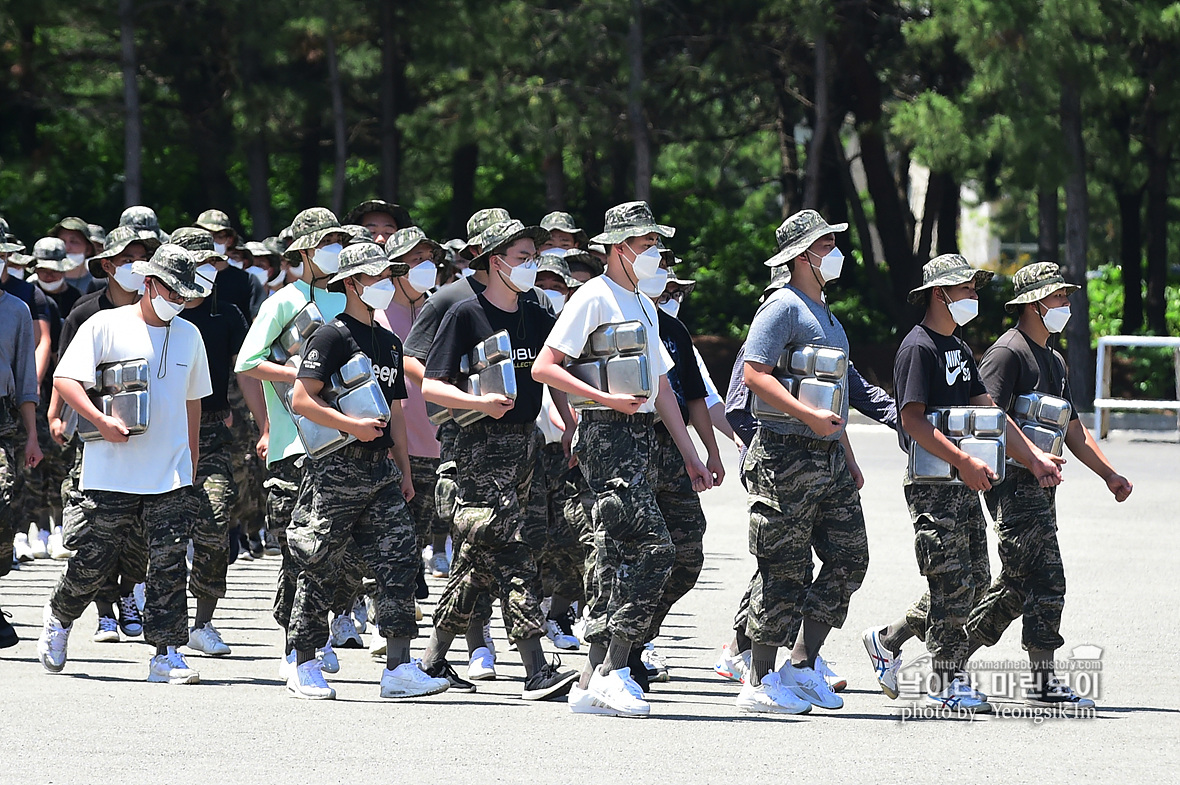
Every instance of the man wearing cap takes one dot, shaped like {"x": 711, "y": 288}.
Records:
{"x": 143, "y": 480}
{"x": 143, "y": 220}
{"x": 935, "y": 368}
{"x": 634, "y": 553}
{"x": 231, "y": 283}
{"x": 75, "y": 233}
{"x": 1031, "y": 584}
{"x": 314, "y": 255}
{"x": 381, "y": 218}
{"x": 495, "y": 457}
{"x": 216, "y": 223}
{"x": 563, "y": 232}
{"x": 356, "y": 494}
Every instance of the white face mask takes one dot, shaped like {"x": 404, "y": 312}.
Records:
{"x": 55, "y": 286}
{"x": 260, "y": 273}
{"x": 328, "y": 258}
{"x": 1055, "y": 319}
{"x": 647, "y": 264}
{"x": 523, "y": 276}
{"x": 556, "y": 299}
{"x": 296, "y": 270}
{"x": 16, "y": 272}
{"x": 76, "y": 258}
{"x": 963, "y": 311}
{"x": 654, "y": 286}
{"x": 422, "y": 276}
{"x": 672, "y": 307}
{"x": 467, "y": 272}
{"x": 378, "y": 296}
{"x": 830, "y": 265}
{"x": 207, "y": 272}
{"x": 127, "y": 280}
{"x": 220, "y": 248}
{"x": 165, "y": 308}
{"x": 234, "y": 263}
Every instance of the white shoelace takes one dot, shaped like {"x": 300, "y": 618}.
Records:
{"x": 176, "y": 660}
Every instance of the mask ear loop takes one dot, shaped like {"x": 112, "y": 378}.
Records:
{"x": 820, "y": 281}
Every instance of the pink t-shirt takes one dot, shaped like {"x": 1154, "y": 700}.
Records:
{"x": 419, "y": 429}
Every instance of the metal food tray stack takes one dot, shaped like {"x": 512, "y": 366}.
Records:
{"x": 976, "y": 430}
{"x": 354, "y": 390}
{"x": 293, "y": 337}
{"x": 488, "y": 369}
{"x": 816, "y": 375}
{"x": 1044, "y": 419}
{"x": 614, "y": 361}
{"x": 122, "y": 393}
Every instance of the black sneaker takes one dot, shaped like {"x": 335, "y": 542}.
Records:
{"x": 254, "y": 545}
{"x": 639, "y": 673}
{"x": 1056, "y": 694}
{"x": 422, "y": 591}
{"x": 8, "y": 636}
{"x": 549, "y": 682}
{"x": 130, "y": 620}
{"x": 443, "y": 670}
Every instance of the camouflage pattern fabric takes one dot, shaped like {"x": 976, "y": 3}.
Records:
{"x": 801, "y": 497}
{"x": 424, "y": 472}
{"x": 535, "y": 526}
{"x": 633, "y": 550}
{"x": 11, "y": 481}
{"x": 249, "y": 471}
{"x": 681, "y": 507}
{"x": 350, "y": 583}
{"x": 351, "y": 496}
{"x": 41, "y": 499}
{"x": 282, "y": 490}
{"x": 578, "y": 513}
{"x": 215, "y": 491}
{"x": 107, "y": 519}
{"x": 563, "y": 557}
{"x": 1032, "y": 579}
{"x": 496, "y": 462}
{"x": 950, "y": 542}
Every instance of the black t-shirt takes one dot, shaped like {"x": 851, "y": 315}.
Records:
{"x": 475, "y": 319}
{"x": 223, "y": 333}
{"x": 236, "y": 287}
{"x": 86, "y": 306}
{"x": 1016, "y": 365}
{"x": 436, "y": 306}
{"x": 31, "y": 295}
{"x": 337, "y": 341}
{"x": 685, "y": 375}
{"x": 935, "y": 370}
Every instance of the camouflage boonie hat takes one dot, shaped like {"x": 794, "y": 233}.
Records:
{"x": 198, "y": 241}
{"x": 500, "y": 235}
{"x": 950, "y": 269}
{"x": 117, "y": 241}
{"x": 74, "y": 225}
{"x": 8, "y": 241}
{"x": 274, "y": 246}
{"x": 143, "y": 219}
{"x": 285, "y": 238}
{"x": 779, "y": 277}
{"x": 1037, "y": 281}
{"x": 403, "y": 241}
{"x": 564, "y": 222}
{"x": 98, "y": 235}
{"x": 796, "y": 234}
{"x": 576, "y": 256}
{"x": 399, "y": 214}
{"x": 255, "y": 248}
{"x": 483, "y": 220}
{"x": 50, "y": 253}
{"x": 357, "y": 233}
{"x": 552, "y": 260}
{"x": 630, "y": 219}
{"x": 309, "y": 229}
{"x": 177, "y": 268}
{"x": 214, "y": 221}
{"x": 17, "y": 259}
{"x": 365, "y": 257}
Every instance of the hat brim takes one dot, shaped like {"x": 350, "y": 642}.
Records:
{"x": 312, "y": 240}
{"x": 56, "y": 265}
{"x": 213, "y": 228}
{"x": 534, "y": 233}
{"x": 616, "y": 236}
{"x": 11, "y": 248}
{"x": 189, "y": 290}
{"x": 399, "y": 214}
{"x": 375, "y": 267}
{"x": 94, "y": 263}
{"x": 954, "y": 278}
{"x": 437, "y": 254}
{"x": 1040, "y": 293}
{"x": 803, "y": 243}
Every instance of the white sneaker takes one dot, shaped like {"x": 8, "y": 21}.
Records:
{"x": 21, "y": 550}
{"x": 960, "y": 696}
{"x": 657, "y": 666}
{"x": 732, "y": 666}
{"x": 439, "y": 566}
{"x": 822, "y": 667}
{"x": 287, "y": 667}
{"x": 408, "y": 681}
{"x": 56, "y": 547}
{"x": 579, "y": 628}
{"x": 427, "y": 557}
{"x": 139, "y": 592}
{"x": 344, "y": 634}
{"x": 307, "y": 682}
{"x": 770, "y": 697}
{"x": 38, "y": 541}
{"x": 360, "y": 615}
{"x": 884, "y": 662}
{"x": 482, "y": 666}
{"x": 207, "y": 640}
{"x": 615, "y": 693}
{"x": 51, "y": 646}
{"x": 809, "y": 686}
{"x": 171, "y": 668}
{"x": 379, "y": 645}
{"x": 560, "y": 638}
{"x": 108, "y": 630}
{"x": 327, "y": 658}
{"x": 488, "y": 643}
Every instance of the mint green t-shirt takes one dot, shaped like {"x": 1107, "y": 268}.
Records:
{"x": 276, "y": 312}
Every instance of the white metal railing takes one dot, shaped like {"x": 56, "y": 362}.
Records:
{"x": 1104, "y": 404}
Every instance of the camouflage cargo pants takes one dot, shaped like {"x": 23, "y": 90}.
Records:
{"x": 11, "y": 483}
{"x": 41, "y": 499}
{"x": 427, "y": 523}
{"x": 496, "y": 462}
{"x": 215, "y": 491}
{"x": 107, "y": 519}
{"x": 578, "y": 512}
{"x": 249, "y": 471}
{"x": 681, "y": 507}
{"x": 351, "y": 496}
{"x": 446, "y": 491}
{"x": 282, "y": 490}
{"x": 950, "y": 542}
{"x": 633, "y": 551}
{"x": 563, "y": 558}
{"x": 1032, "y": 579}
{"x": 801, "y": 497}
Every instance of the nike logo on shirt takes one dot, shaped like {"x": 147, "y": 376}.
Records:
{"x": 956, "y": 364}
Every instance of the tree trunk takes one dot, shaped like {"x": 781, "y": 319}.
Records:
{"x": 819, "y": 136}
{"x": 1131, "y": 258}
{"x": 132, "y": 120}
{"x": 1048, "y": 218}
{"x": 339, "y": 130}
{"x": 552, "y": 165}
{"x": 948, "y": 217}
{"x": 635, "y": 116}
{"x": 309, "y": 154}
{"x": 258, "y": 172}
{"x": 464, "y": 162}
{"x": 27, "y": 111}
{"x": 1159, "y": 155}
{"x": 930, "y": 212}
{"x": 392, "y": 79}
{"x": 859, "y": 219}
{"x": 1077, "y": 221}
{"x": 786, "y": 116}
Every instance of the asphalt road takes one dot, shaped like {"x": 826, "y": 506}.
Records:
{"x": 100, "y": 721}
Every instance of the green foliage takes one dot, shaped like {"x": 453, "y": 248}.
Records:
{"x": 1150, "y": 372}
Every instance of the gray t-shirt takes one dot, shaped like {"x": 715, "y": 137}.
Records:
{"x": 18, "y": 369}
{"x": 789, "y": 318}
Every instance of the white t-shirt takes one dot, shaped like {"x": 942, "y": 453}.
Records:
{"x": 157, "y": 460}
{"x": 712, "y": 397}
{"x": 601, "y": 301}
